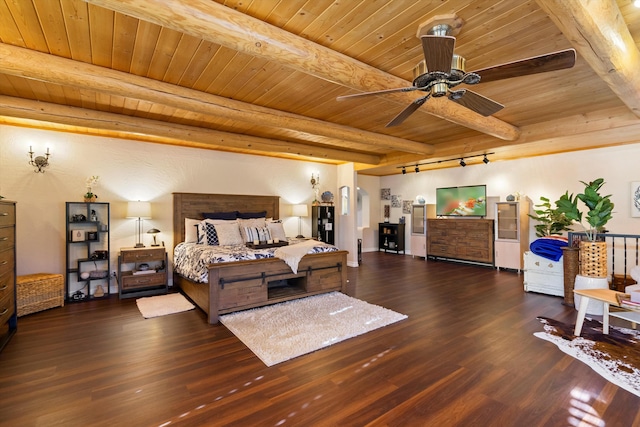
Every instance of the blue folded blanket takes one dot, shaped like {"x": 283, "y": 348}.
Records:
{"x": 548, "y": 248}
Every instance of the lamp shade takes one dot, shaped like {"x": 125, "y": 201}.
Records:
{"x": 139, "y": 210}
{"x": 299, "y": 210}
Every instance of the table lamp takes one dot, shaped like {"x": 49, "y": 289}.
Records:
{"x": 153, "y": 232}
{"x": 140, "y": 211}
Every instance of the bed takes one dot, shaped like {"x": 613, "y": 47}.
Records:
{"x": 234, "y": 286}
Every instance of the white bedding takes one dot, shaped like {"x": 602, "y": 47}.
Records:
{"x": 191, "y": 260}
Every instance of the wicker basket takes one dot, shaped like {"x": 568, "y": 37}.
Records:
{"x": 37, "y": 292}
{"x": 593, "y": 259}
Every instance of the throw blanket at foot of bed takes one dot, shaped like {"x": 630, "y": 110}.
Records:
{"x": 292, "y": 254}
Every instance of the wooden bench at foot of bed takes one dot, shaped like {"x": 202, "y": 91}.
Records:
{"x": 235, "y": 286}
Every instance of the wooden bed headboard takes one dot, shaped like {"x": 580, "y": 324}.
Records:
{"x": 192, "y": 205}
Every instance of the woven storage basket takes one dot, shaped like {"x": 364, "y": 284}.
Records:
{"x": 37, "y": 292}
{"x": 593, "y": 259}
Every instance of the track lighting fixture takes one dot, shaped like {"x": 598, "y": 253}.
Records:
{"x": 461, "y": 161}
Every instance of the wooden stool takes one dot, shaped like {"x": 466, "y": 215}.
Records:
{"x": 37, "y": 292}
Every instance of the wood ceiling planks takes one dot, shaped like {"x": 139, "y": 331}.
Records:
{"x": 378, "y": 33}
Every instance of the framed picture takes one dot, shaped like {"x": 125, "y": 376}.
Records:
{"x": 635, "y": 199}
{"x": 77, "y": 236}
{"x": 396, "y": 201}
{"x": 406, "y": 206}
{"x": 92, "y": 235}
{"x": 385, "y": 194}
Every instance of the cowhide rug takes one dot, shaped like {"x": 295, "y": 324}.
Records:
{"x": 616, "y": 356}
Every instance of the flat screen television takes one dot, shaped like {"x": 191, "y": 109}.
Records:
{"x": 470, "y": 200}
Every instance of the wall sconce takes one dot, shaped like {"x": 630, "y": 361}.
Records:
{"x": 140, "y": 211}
{"x": 299, "y": 211}
{"x": 153, "y": 232}
{"x": 39, "y": 162}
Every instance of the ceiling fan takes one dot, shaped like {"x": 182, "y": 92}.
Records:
{"x": 442, "y": 70}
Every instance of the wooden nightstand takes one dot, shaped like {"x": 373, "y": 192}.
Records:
{"x": 142, "y": 272}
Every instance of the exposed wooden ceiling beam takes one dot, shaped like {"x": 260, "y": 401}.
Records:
{"x": 212, "y": 139}
{"x": 597, "y": 31}
{"x": 222, "y": 25}
{"x": 27, "y": 63}
{"x": 602, "y": 128}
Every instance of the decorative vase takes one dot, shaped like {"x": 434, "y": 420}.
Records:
{"x": 327, "y": 197}
{"x": 593, "y": 259}
{"x": 90, "y": 199}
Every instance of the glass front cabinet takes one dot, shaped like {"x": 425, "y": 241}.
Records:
{"x": 511, "y": 233}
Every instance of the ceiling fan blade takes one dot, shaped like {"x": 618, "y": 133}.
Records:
{"x": 537, "y": 64}
{"x": 404, "y": 114}
{"x": 377, "y": 92}
{"x": 476, "y": 102}
{"x": 438, "y": 52}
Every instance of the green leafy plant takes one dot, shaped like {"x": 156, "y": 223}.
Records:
{"x": 552, "y": 222}
{"x": 599, "y": 207}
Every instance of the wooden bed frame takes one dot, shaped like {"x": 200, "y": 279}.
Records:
{"x": 235, "y": 286}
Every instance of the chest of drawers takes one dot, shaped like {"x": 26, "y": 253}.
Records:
{"x": 8, "y": 309}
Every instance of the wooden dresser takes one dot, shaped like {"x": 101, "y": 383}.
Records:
{"x": 8, "y": 309}
{"x": 461, "y": 239}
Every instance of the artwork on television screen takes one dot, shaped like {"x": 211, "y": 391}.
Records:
{"x": 469, "y": 200}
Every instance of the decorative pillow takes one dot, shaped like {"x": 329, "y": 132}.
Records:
{"x": 191, "y": 230}
{"x": 255, "y": 222}
{"x": 211, "y": 234}
{"x": 220, "y": 215}
{"x": 229, "y": 234}
{"x": 252, "y": 234}
{"x": 251, "y": 215}
{"x": 276, "y": 230}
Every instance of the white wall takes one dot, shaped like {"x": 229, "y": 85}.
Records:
{"x": 547, "y": 176}
{"x": 131, "y": 170}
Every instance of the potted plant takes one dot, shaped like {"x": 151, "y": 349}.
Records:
{"x": 552, "y": 221}
{"x": 91, "y": 182}
{"x": 593, "y": 253}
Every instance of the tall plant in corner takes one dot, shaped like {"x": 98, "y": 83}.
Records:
{"x": 599, "y": 207}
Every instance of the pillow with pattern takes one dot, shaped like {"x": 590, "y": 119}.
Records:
{"x": 251, "y": 234}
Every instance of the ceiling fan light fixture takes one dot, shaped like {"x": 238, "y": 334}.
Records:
{"x": 485, "y": 160}
{"x": 462, "y": 163}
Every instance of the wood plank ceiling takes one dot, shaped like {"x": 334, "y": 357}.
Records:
{"x": 262, "y": 76}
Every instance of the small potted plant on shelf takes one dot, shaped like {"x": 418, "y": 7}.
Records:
{"x": 593, "y": 253}
{"x": 90, "y": 196}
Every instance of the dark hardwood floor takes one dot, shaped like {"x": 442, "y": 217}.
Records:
{"x": 466, "y": 356}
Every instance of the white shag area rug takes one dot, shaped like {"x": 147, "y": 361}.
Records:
{"x": 161, "y": 305}
{"x": 283, "y": 331}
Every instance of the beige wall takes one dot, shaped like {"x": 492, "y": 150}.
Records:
{"x": 131, "y": 170}
{"x": 548, "y": 176}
